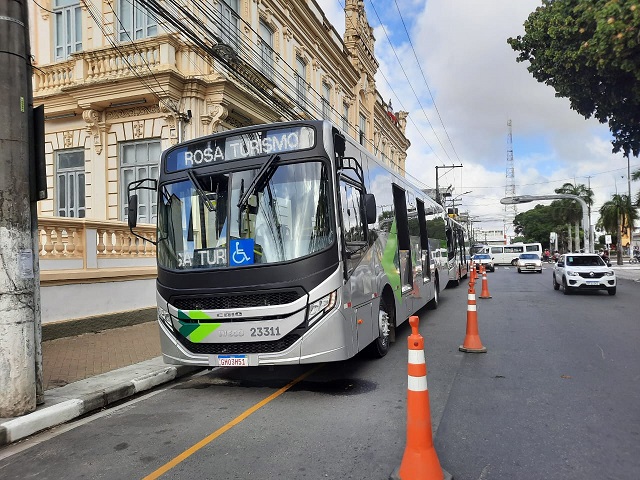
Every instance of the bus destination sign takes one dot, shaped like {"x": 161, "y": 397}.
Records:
{"x": 237, "y": 147}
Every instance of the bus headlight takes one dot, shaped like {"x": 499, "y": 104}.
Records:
{"x": 321, "y": 307}
{"x": 165, "y": 317}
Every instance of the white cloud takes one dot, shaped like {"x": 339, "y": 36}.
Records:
{"x": 478, "y": 86}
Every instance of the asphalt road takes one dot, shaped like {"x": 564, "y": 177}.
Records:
{"x": 555, "y": 397}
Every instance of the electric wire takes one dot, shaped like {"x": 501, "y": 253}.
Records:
{"x": 408, "y": 81}
{"x": 426, "y": 83}
{"x": 123, "y": 56}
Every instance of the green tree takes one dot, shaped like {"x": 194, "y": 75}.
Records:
{"x": 636, "y": 176}
{"x": 589, "y": 52}
{"x": 535, "y": 225}
{"x": 615, "y": 216}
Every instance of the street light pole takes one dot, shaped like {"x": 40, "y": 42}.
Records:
{"x": 588, "y": 235}
{"x": 438, "y": 199}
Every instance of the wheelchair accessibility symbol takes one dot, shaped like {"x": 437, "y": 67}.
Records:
{"x": 241, "y": 252}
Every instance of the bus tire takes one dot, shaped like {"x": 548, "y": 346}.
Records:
{"x": 386, "y": 322}
{"x": 435, "y": 301}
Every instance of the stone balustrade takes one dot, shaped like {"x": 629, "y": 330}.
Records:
{"x": 78, "y": 243}
{"x": 53, "y": 77}
{"x": 110, "y": 63}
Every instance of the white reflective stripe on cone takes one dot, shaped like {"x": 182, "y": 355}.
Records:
{"x": 471, "y": 308}
{"x": 416, "y": 357}
{"x": 417, "y": 384}
{"x": 471, "y": 296}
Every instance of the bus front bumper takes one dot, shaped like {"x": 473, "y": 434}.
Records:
{"x": 329, "y": 340}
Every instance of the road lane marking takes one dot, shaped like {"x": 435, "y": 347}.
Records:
{"x": 205, "y": 441}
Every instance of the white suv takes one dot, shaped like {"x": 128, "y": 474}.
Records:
{"x": 583, "y": 271}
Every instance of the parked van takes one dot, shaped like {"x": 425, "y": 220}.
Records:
{"x": 508, "y": 254}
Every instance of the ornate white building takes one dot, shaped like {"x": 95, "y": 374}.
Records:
{"x": 120, "y": 83}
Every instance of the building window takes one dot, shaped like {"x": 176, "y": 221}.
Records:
{"x": 70, "y": 201}
{"x": 326, "y": 101}
{"x": 345, "y": 118}
{"x": 139, "y": 160}
{"x": 363, "y": 129}
{"x": 266, "y": 50}
{"x": 230, "y": 24}
{"x": 301, "y": 82}
{"x": 68, "y": 28}
{"x": 136, "y": 21}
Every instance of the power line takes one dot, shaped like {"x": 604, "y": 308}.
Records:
{"x": 409, "y": 81}
{"x": 425, "y": 82}
{"x": 108, "y": 35}
{"x": 398, "y": 99}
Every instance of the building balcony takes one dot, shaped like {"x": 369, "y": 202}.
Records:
{"x": 94, "y": 78}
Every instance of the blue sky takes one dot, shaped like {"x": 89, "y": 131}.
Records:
{"x": 478, "y": 86}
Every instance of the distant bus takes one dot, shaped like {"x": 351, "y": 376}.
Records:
{"x": 458, "y": 254}
{"x": 508, "y": 254}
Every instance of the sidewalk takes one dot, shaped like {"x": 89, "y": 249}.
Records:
{"x": 628, "y": 271}
{"x": 90, "y": 363}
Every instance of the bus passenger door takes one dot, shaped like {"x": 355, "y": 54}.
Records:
{"x": 424, "y": 243}
{"x": 404, "y": 251}
{"x": 357, "y": 258}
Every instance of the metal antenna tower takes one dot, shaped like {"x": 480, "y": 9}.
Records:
{"x": 510, "y": 188}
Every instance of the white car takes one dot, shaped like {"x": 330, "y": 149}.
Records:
{"x": 484, "y": 259}
{"x": 529, "y": 262}
{"x": 583, "y": 271}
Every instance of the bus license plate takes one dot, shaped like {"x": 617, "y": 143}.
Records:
{"x": 233, "y": 361}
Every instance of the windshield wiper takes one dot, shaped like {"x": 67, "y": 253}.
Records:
{"x": 262, "y": 177}
{"x": 201, "y": 193}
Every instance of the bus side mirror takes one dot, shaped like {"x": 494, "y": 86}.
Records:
{"x": 132, "y": 211}
{"x": 370, "y": 207}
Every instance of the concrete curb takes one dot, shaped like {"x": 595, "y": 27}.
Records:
{"x": 79, "y": 398}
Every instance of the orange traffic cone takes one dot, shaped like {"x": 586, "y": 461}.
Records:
{"x": 420, "y": 460}
{"x": 473, "y": 277}
{"x": 472, "y": 342}
{"x": 485, "y": 286}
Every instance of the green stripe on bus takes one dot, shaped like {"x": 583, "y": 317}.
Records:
{"x": 203, "y": 331}
{"x": 388, "y": 260}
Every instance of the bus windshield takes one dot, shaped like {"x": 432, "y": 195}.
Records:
{"x": 203, "y": 224}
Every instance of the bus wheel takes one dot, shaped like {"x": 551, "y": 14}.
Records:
{"x": 435, "y": 301}
{"x": 380, "y": 345}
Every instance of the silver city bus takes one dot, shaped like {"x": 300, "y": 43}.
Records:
{"x": 458, "y": 253}
{"x": 286, "y": 243}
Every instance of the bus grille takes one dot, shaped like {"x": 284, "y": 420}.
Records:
{"x": 222, "y": 302}
{"x": 236, "y": 348}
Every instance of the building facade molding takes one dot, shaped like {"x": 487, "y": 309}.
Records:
{"x": 96, "y": 127}
{"x": 214, "y": 116}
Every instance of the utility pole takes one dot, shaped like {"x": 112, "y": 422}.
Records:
{"x": 19, "y": 275}
{"x": 438, "y": 199}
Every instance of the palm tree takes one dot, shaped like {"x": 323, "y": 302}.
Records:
{"x": 572, "y": 211}
{"x": 615, "y": 215}
{"x": 636, "y": 176}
